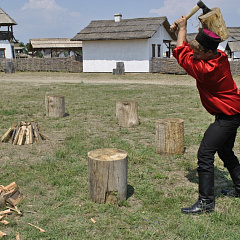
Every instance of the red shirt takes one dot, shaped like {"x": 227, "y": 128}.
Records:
{"x": 218, "y": 91}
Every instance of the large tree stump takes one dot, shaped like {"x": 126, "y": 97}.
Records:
{"x": 214, "y": 22}
{"x": 55, "y": 106}
{"x": 127, "y": 113}
{"x": 170, "y": 136}
{"x": 107, "y": 170}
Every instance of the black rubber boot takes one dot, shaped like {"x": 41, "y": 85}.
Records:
{"x": 235, "y": 175}
{"x": 205, "y": 201}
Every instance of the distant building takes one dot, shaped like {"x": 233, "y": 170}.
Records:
{"x": 6, "y": 37}
{"x": 55, "y": 47}
{"x": 233, "y": 43}
{"x": 131, "y": 41}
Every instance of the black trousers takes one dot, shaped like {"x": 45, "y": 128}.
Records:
{"x": 219, "y": 137}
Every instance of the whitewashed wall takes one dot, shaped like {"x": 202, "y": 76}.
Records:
{"x": 101, "y": 56}
{"x": 7, "y": 46}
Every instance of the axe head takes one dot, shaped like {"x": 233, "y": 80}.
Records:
{"x": 204, "y": 7}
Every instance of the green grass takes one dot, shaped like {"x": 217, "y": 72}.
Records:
{"x": 56, "y": 171}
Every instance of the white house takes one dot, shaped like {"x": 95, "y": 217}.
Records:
{"x": 6, "y": 37}
{"x": 131, "y": 41}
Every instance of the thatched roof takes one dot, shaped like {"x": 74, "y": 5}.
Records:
{"x": 53, "y": 43}
{"x": 138, "y": 28}
{"x": 5, "y": 19}
{"x": 233, "y": 46}
{"x": 234, "y": 32}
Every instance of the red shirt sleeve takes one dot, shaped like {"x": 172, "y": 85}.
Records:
{"x": 217, "y": 89}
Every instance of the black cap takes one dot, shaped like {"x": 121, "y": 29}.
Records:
{"x": 208, "y": 39}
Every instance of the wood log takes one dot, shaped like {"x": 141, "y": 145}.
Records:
{"x": 127, "y": 113}
{"x": 22, "y": 136}
{"x": 170, "y": 136}
{"x": 55, "y": 106}
{"x": 15, "y": 132}
{"x": 7, "y": 136}
{"x": 107, "y": 170}
{"x": 35, "y": 131}
{"x": 214, "y": 22}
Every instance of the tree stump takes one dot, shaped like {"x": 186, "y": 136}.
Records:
{"x": 214, "y": 22}
{"x": 127, "y": 113}
{"x": 55, "y": 106}
{"x": 107, "y": 170}
{"x": 170, "y": 136}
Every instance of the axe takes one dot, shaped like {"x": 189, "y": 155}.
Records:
{"x": 199, "y": 5}
{"x": 210, "y": 19}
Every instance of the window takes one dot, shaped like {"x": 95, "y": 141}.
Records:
{"x": 159, "y": 50}
{"x": 2, "y": 52}
{"x": 153, "y": 50}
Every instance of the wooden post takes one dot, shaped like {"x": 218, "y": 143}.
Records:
{"x": 119, "y": 70}
{"x": 127, "y": 113}
{"x": 170, "y": 136}
{"x": 107, "y": 170}
{"x": 9, "y": 68}
{"x": 55, "y": 106}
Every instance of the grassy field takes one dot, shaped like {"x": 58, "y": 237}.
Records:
{"x": 53, "y": 174}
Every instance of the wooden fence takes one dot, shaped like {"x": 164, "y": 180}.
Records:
{"x": 44, "y": 64}
{"x": 170, "y": 65}
{"x": 158, "y": 65}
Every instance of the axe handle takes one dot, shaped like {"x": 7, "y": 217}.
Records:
{"x": 193, "y": 11}
{"x": 173, "y": 27}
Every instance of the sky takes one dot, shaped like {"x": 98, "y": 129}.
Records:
{"x": 65, "y": 18}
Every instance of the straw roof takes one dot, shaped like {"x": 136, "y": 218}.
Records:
{"x": 233, "y": 46}
{"x": 5, "y": 19}
{"x": 138, "y": 28}
{"x": 234, "y": 32}
{"x": 53, "y": 43}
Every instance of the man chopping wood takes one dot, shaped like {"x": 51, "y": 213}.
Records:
{"x": 220, "y": 97}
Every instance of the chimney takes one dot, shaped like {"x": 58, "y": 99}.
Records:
{"x": 118, "y": 17}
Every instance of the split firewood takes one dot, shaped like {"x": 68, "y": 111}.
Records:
{"x": 6, "y": 212}
{"x": 44, "y": 137}
{"x": 16, "y": 210}
{"x": 24, "y": 133}
{"x": 36, "y": 133}
{"x": 40, "y": 229}
{"x": 10, "y": 194}
{"x": 9, "y": 187}
{"x": 7, "y": 136}
{"x": 15, "y": 131}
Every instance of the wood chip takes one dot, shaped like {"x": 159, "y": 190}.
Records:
{"x": 2, "y": 234}
{"x": 40, "y": 229}
{"x": 16, "y": 210}
{"x": 18, "y": 236}
{"x": 6, "y": 212}
{"x": 58, "y": 205}
{"x": 4, "y": 222}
